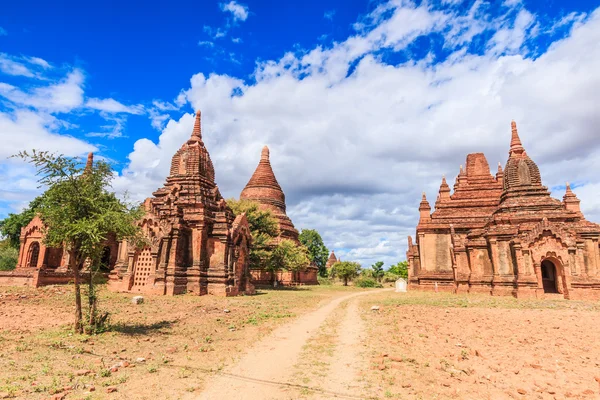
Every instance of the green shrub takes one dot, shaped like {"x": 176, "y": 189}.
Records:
{"x": 8, "y": 258}
{"x": 324, "y": 281}
{"x": 367, "y": 283}
{"x": 390, "y": 277}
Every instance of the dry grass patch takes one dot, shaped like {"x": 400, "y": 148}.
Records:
{"x": 181, "y": 340}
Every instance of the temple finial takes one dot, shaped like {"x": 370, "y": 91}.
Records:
{"x": 424, "y": 198}
{"x": 499, "y": 167}
{"x": 264, "y": 155}
{"x": 569, "y": 191}
{"x": 197, "y": 132}
{"x": 515, "y": 142}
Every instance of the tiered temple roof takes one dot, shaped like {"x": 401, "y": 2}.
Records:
{"x": 476, "y": 196}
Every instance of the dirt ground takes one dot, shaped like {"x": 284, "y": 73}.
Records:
{"x": 181, "y": 340}
{"x": 316, "y": 343}
{"x": 443, "y": 346}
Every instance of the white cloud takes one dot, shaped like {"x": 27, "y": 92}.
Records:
{"x": 114, "y": 129}
{"x": 22, "y": 66}
{"x": 113, "y": 106}
{"x": 62, "y": 96}
{"x": 238, "y": 11}
{"x": 3, "y": 31}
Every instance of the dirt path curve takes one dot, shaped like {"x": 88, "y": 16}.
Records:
{"x": 265, "y": 372}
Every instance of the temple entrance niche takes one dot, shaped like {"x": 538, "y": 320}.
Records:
{"x": 144, "y": 267}
{"x": 33, "y": 255}
{"x": 549, "y": 277}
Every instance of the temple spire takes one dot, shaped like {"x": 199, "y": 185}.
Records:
{"x": 197, "y": 132}
{"x": 569, "y": 191}
{"x": 516, "y": 147}
{"x": 264, "y": 155}
{"x": 444, "y": 193}
{"x": 424, "y": 209}
{"x": 570, "y": 200}
{"x": 90, "y": 163}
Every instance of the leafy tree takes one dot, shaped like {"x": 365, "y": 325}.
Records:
{"x": 266, "y": 252}
{"x": 400, "y": 269}
{"x": 8, "y": 256}
{"x": 263, "y": 228}
{"x": 317, "y": 251}
{"x": 287, "y": 255}
{"x": 10, "y": 227}
{"x": 345, "y": 270}
{"x": 79, "y": 213}
{"x": 377, "y": 270}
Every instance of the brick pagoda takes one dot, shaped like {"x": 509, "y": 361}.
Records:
{"x": 195, "y": 243}
{"x": 264, "y": 189}
{"x": 505, "y": 235}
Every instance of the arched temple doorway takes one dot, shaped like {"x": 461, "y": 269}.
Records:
{"x": 549, "y": 277}
{"x": 33, "y": 254}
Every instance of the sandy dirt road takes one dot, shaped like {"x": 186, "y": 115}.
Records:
{"x": 267, "y": 370}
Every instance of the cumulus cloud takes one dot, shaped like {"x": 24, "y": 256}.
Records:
{"x": 62, "y": 96}
{"x": 238, "y": 11}
{"x": 355, "y": 140}
{"x": 3, "y": 31}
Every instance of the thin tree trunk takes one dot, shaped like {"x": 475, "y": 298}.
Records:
{"x": 345, "y": 281}
{"x": 78, "y": 317}
{"x": 92, "y": 300}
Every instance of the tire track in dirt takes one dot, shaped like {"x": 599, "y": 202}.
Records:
{"x": 266, "y": 371}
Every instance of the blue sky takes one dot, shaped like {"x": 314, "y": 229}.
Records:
{"x": 364, "y": 103}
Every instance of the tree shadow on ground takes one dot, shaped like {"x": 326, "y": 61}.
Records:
{"x": 134, "y": 329}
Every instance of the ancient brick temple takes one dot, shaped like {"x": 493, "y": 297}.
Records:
{"x": 195, "y": 243}
{"x": 264, "y": 189}
{"x": 505, "y": 235}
